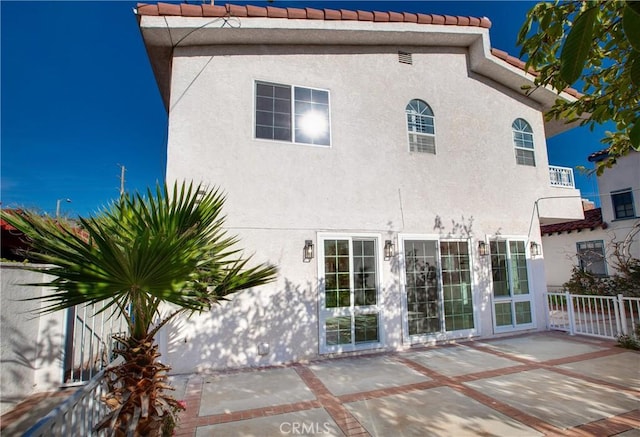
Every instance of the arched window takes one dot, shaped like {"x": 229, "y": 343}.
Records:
{"x": 420, "y": 125}
{"x": 523, "y": 142}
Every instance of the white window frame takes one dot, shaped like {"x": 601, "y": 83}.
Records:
{"x": 531, "y": 149}
{"x": 530, "y": 297}
{"x": 325, "y": 313}
{"x": 407, "y": 339}
{"x": 421, "y": 134}
{"x": 293, "y": 100}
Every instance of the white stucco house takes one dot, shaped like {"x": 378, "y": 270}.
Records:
{"x": 589, "y": 243}
{"x": 388, "y": 163}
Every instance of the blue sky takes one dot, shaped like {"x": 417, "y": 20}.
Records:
{"x": 79, "y": 99}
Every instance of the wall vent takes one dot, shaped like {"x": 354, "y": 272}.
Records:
{"x": 405, "y": 58}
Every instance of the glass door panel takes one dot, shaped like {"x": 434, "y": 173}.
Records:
{"x": 349, "y": 312}
{"x": 422, "y": 291}
{"x": 456, "y": 285}
{"x": 511, "y": 297}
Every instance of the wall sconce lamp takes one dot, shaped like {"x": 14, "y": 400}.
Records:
{"x": 535, "y": 248}
{"x": 483, "y": 250}
{"x": 307, "y": 251}
{"x": 388, "y": 249}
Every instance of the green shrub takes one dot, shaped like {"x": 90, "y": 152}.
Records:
{"x": 630, "y": 341}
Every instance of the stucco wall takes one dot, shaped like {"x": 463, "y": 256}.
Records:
{"x": 30, "y": 345}
{"x": 560, "y": 254}
{"x": 560, "y": 250}
{"x": 280, "y": 194}
{"x": 625, "y": 174}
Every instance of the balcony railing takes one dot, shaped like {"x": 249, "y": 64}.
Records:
{"x": 561, "y": 177}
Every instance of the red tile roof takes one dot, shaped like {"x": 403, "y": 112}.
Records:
{"x": 592, "y": 220}
{"x": 516, "y": 62}
{"x": 204, "y": 10}
{"x": 599, "y": 155}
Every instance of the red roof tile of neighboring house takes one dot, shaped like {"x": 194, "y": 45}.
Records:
{"x": 592, "y": 220}
{"x": 188, "y": 10}
{"x": 599, "y": 155}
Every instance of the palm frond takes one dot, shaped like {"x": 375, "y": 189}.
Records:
{"x": 167, "y": 245}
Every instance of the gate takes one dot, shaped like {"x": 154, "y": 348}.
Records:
{"x": 89, "y": 341}
{"x": 596, "y": 316}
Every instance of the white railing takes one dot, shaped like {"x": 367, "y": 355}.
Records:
{"x": 597, "y": 316}
{"x": 79, "y": 414}
{"x": 90, "y": 340}
{"x": 561, "y": 177}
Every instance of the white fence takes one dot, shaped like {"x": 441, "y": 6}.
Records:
{"x": 597, "y": 316}
{"x": 90, "y": 340}
{"x": 78, "y": 415}
{"x": 561, "y": 177}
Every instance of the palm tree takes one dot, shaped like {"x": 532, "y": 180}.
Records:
{"x": 148, "y": 258}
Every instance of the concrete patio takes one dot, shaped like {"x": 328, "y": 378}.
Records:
{"x": 530, "y": 385}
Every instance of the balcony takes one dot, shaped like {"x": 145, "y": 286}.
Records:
{"x": 561, "y": 201}
{"x": 561, "y": 177}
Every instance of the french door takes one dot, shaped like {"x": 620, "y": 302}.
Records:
{"x": 512, "y": 300}
{"x": 349, "y": 311}
{"x": 437, "y": 289}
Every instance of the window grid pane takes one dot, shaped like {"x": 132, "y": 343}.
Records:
{"x": 422, "y": 143}
{"x": 350, "y": 272}
{"x": 503, "y": 314}
{"x": 275, "y": 121}
{"x": 499, "y": 268}
{"x": 338, "y": 330}
{"x": 366, "y": 328}
{"x": 421, "y": 127}
{"x": 336, "y": 266}
{"x": 510, "y": 279}
{"x": 364, "y": 272}
{"x": 523, "y": 142}
{"x": 423, "y": 306}
{"x": 523, "y": 313}
{"x": 273, "y": 112}
{"x": 456, "y": 280}
{"x": 623, "y": 205}
{"x": 591, "y": 257}
{"x": 525, "y": 157}
{"x": 520, "y": 277}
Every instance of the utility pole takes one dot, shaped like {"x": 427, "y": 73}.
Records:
{"x": 122, "y": 170}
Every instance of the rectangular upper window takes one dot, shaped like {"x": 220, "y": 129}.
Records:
{"x": 292, "y": 113}
{"x": 623, "y": 204}
{"x": 591, "y": 257}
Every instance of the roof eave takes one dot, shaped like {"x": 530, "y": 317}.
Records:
{"x": 162, "y": 33}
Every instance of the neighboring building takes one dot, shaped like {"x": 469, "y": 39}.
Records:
{"x": 12, "y": 241}
{"x": 392, "y": 147}
{"x": 589, "y": 243}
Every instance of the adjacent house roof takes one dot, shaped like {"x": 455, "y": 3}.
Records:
{"x": 592, "y": 220}
{"x": 599, "y": 155}
{"x": 166, "y": 26}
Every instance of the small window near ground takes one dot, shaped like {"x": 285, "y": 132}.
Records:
{"x": 421, "y": 128}
{"x": 523, "y": 142}
{"x": 591, "y": 257}
{"x": 623, "y": 204}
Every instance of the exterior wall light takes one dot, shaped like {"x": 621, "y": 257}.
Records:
{"x": 535, "y": 248}
{"x": 388, "y": 249}
{"x": 483, "y": 250}
{"x": 307, "y": 252}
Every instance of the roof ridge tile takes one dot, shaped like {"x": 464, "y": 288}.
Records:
{"x": 209, "y": 10}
